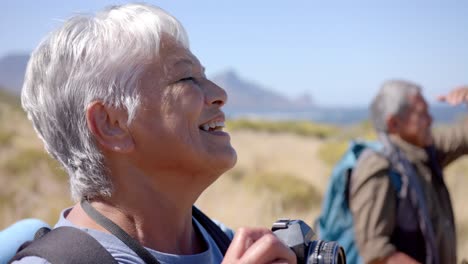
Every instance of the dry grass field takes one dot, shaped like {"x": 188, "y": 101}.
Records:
{"x": 236, "y": 204}
{"x": 282, "y": 171}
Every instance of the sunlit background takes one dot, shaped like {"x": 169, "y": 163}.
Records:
{"x": 299, "y": 75}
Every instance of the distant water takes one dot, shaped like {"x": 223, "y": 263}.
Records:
{"x": 442, "y": 114}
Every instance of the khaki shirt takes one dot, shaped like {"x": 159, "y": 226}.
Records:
{"x": 373, "y": 197}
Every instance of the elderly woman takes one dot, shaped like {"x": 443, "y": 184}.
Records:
{"x": 121, "y": 102}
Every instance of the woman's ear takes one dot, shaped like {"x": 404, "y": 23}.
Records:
{"x": 109, "y": 126}
{"x": 393, "y": 124}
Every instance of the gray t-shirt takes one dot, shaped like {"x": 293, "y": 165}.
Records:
{"x": 124, "y": 254}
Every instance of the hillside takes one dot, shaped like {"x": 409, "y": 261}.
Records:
{"x": 248, "y": 96}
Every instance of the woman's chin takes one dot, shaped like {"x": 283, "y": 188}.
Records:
{"x": 230, "y": 160}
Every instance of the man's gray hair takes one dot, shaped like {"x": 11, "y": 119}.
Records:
{"x": 392, "y": 99}
{"x": 91, "y": 57}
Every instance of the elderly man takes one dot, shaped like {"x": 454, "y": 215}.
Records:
{"x": 121, "y": 102}
{"x": 416, "y": 226}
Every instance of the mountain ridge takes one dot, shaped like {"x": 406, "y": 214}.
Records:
{"x": 246, "y": 98}
{"x": 247, "y": 95}
{"x": 243, "y": 94}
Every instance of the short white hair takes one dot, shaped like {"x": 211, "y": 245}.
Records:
{"x": 91, "y": 57}
{"x": 392, "y": 99}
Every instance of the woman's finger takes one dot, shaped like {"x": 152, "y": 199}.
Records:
{"x": 243, "y": 239}
{"x": 268, "y": 249}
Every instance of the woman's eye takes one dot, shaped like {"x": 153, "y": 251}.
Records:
{"x": 187, "y": 79}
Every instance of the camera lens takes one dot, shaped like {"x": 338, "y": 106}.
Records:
{"x": 323, "y": 252}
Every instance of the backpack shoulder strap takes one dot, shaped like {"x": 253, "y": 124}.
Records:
{"x": 220, "y": 238}
{"x": 394, "y": 175}
{"x": 395, "y": 179}
{"x": 66, "y": 245}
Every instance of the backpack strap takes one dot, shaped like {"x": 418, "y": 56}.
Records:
{"x": 66, "y": 245}
{"x": 395, "y": 177}
{"x": 220, "y": 238}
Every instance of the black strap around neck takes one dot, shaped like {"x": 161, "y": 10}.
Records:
{"x": 119, "y": 233}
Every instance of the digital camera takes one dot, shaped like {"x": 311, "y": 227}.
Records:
{"x": 298, "y": 236}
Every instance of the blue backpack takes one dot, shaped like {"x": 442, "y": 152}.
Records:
{"x": 335, "y": 222}
{"x": 12, "y": 237}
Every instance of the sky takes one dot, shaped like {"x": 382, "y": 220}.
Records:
{"x": 339, "y": 52}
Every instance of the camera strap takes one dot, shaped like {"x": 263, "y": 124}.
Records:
{"x": 119, "y": 233}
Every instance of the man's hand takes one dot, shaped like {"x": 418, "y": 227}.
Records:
{"x": 258, "y": 245}
{"x": 456, "y": 96}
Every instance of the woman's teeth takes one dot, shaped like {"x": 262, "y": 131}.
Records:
{"x": 213, "y": 126}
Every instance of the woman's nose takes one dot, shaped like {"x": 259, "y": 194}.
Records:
{"x": 215, "y": 94}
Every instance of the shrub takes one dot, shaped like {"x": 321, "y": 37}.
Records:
{"x": 291, "y": 191}
{"x": 10, "y": 99}
{"x": 6, "y": 138}
{"x": 303, "y": 128}
{"x": 28, "y": 159}
{"x": 24, "y": 161}
{"x": 331, "y": 152}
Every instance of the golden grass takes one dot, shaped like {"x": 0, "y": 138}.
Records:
{"x": 302, "y": 128}
{"x": 31, "y": 183}
{"x": 282, "y": 171}
{"x": 292, "y": 192}
{"x": 6, "y": 138}
{"x": 331, "y": 151}
{"x": 235, "y": 204}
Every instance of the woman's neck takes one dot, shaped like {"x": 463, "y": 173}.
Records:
{"x": 157, "y": 220}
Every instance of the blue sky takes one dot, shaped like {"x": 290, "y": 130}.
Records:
{"x": 337, "y": 51}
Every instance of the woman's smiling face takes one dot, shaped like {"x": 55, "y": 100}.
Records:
{"x": 179, "y": 124}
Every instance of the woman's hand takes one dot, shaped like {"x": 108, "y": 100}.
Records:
{"x": 258, "y": 245}
{"x": 456, "y": 96}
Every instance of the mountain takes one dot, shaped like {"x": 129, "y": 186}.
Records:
{"x": 12, "y": 69}
{"x": 244, "y": 95}
{"x": 248, "y": 96}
